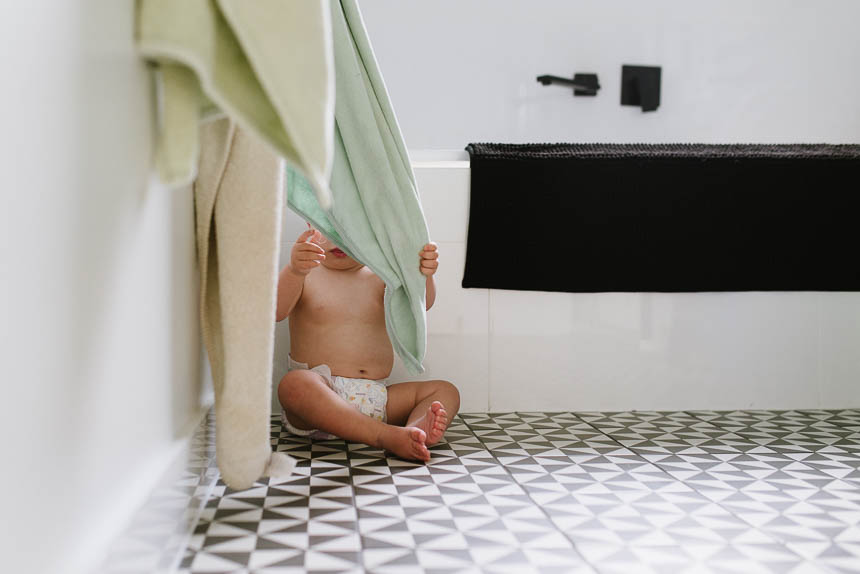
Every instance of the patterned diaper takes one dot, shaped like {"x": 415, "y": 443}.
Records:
{"x": 365, "y": 395}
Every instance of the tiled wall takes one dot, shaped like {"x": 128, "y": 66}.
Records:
{"x": 511, "y": 350}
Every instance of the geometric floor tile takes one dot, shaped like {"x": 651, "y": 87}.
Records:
{"x": 590, "y": 492}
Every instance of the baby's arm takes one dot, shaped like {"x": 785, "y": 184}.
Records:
{"x": 306, "y": 255}
{"x": 429, "y": 262}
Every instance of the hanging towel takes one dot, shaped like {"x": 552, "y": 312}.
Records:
{"x": 238, "y": 196}
{"x": 664, "y": 217}
{"x": 266, "y": 63}
{"x": 376, "y": 215}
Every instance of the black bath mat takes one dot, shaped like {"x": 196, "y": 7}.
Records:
{"x": 679, "y": 217}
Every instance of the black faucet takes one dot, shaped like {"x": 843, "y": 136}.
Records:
{"x": 583, "y": 84}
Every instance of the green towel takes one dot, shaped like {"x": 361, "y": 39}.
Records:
{"x": 376, "y": 216}
{"x": 266, "y": 63}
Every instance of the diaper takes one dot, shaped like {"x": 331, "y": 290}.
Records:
{"x": 365, "y": 395}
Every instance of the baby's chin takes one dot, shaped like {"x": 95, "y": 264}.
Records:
{"x": 339, "y": 263}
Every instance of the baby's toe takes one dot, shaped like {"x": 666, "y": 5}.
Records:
{"x": 417, "y": 435}
{"x": 420, "y": 451}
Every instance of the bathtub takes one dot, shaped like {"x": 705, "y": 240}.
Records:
{"x": 542, "y": 351}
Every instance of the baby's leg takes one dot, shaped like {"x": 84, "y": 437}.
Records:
{"x": 428, "y": 405}
{"x": 311, "y": 404}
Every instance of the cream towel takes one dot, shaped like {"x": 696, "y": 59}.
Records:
{"x": 238, "y": 198}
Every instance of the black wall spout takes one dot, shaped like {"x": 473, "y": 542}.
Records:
{"x": 583, "y": 84}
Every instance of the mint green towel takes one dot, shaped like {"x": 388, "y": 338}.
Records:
{"x": 376, "y": 216}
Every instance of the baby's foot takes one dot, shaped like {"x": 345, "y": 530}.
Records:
{"x": 405, "y": 442}
{"x": 434, "y": 422}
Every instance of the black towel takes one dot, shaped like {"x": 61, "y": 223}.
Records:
{"x": 675, "y": 217}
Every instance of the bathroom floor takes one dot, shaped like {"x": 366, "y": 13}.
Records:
{"x": 694, "y": 491}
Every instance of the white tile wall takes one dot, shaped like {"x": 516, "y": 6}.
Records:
{"x": 619, "y": 351}
{"x": 446, "y": 206}
{"x": 512, "y": 350}
{"x": 461, "y": 360}
{"x": 839, "y": 349}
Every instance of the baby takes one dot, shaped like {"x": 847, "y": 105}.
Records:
{"x": 340, "y": 355}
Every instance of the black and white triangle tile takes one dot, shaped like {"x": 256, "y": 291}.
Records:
{"x": 591, "y": 492}
{"x": 789, "y": 474}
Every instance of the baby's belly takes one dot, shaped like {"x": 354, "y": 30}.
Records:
{"x": 354, "y": 351}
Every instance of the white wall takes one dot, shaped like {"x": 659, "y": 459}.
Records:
{"x": 101, "y": 350}
{"x": 461, "y": 71}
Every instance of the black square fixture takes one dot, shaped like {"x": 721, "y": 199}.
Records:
{"x": 640, "y": 86}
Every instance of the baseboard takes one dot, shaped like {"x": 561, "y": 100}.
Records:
{"x": 162, "y": 507}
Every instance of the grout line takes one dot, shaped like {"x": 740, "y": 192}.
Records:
{"x": 819, "y": 360}
{"x": 489, "y": 351}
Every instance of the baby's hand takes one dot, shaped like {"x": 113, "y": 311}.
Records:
{"x": 306, "y": 254}
{"x": 429, "y": 259}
